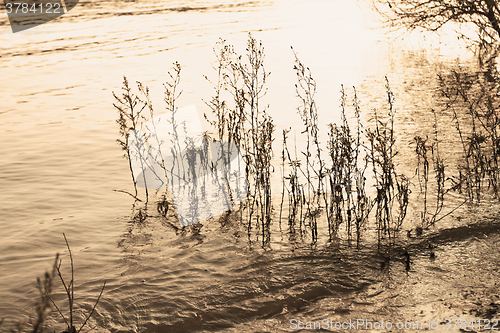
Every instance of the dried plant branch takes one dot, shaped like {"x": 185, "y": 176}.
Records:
{"x": 93, "y": 308}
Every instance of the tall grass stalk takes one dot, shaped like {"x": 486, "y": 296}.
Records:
{"x": 389, "y": 184}
{"x": 130, "y": 117}
{"x": 70, "y": 293}
{"x": 348, "y": 201}
{"x": 330, "y": 178}
{"x": 314, "y": 166}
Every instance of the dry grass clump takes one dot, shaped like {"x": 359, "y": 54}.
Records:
{"x": 478, "y": 130}
{"x": 242, "y": 122}
{"x": 391, "y": 187}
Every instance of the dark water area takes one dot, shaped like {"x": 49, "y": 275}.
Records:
{"x": 60, "y": 166}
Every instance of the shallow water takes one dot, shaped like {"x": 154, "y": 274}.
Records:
{"x": 60, "y": 164}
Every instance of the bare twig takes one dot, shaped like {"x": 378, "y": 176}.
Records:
{"x": 91, "y": 312}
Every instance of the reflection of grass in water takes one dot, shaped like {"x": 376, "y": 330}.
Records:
{"x": 329, "y": 180}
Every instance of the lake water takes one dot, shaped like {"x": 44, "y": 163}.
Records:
{"x": 60, "y": 164}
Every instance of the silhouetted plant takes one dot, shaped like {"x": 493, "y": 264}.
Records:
{"x": 479, "y": 132}
{"x": 348, "y": 201}
{"x": 315, "y": 181}
{"x": 295, "y": 188}
{"x": 70, "y": 293}
{"x": 162, "y": 206}
{"x": 423, "y": 171}
{"x": 246, "y": 123}
{"x": 130, "y": 117}
{"x": 43, "y": 305}
{"x": 432, "y": 15}
{"x": 170, "y": 98}
{"x": 314, "y": 165}
{"x": 154, "y": 152}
